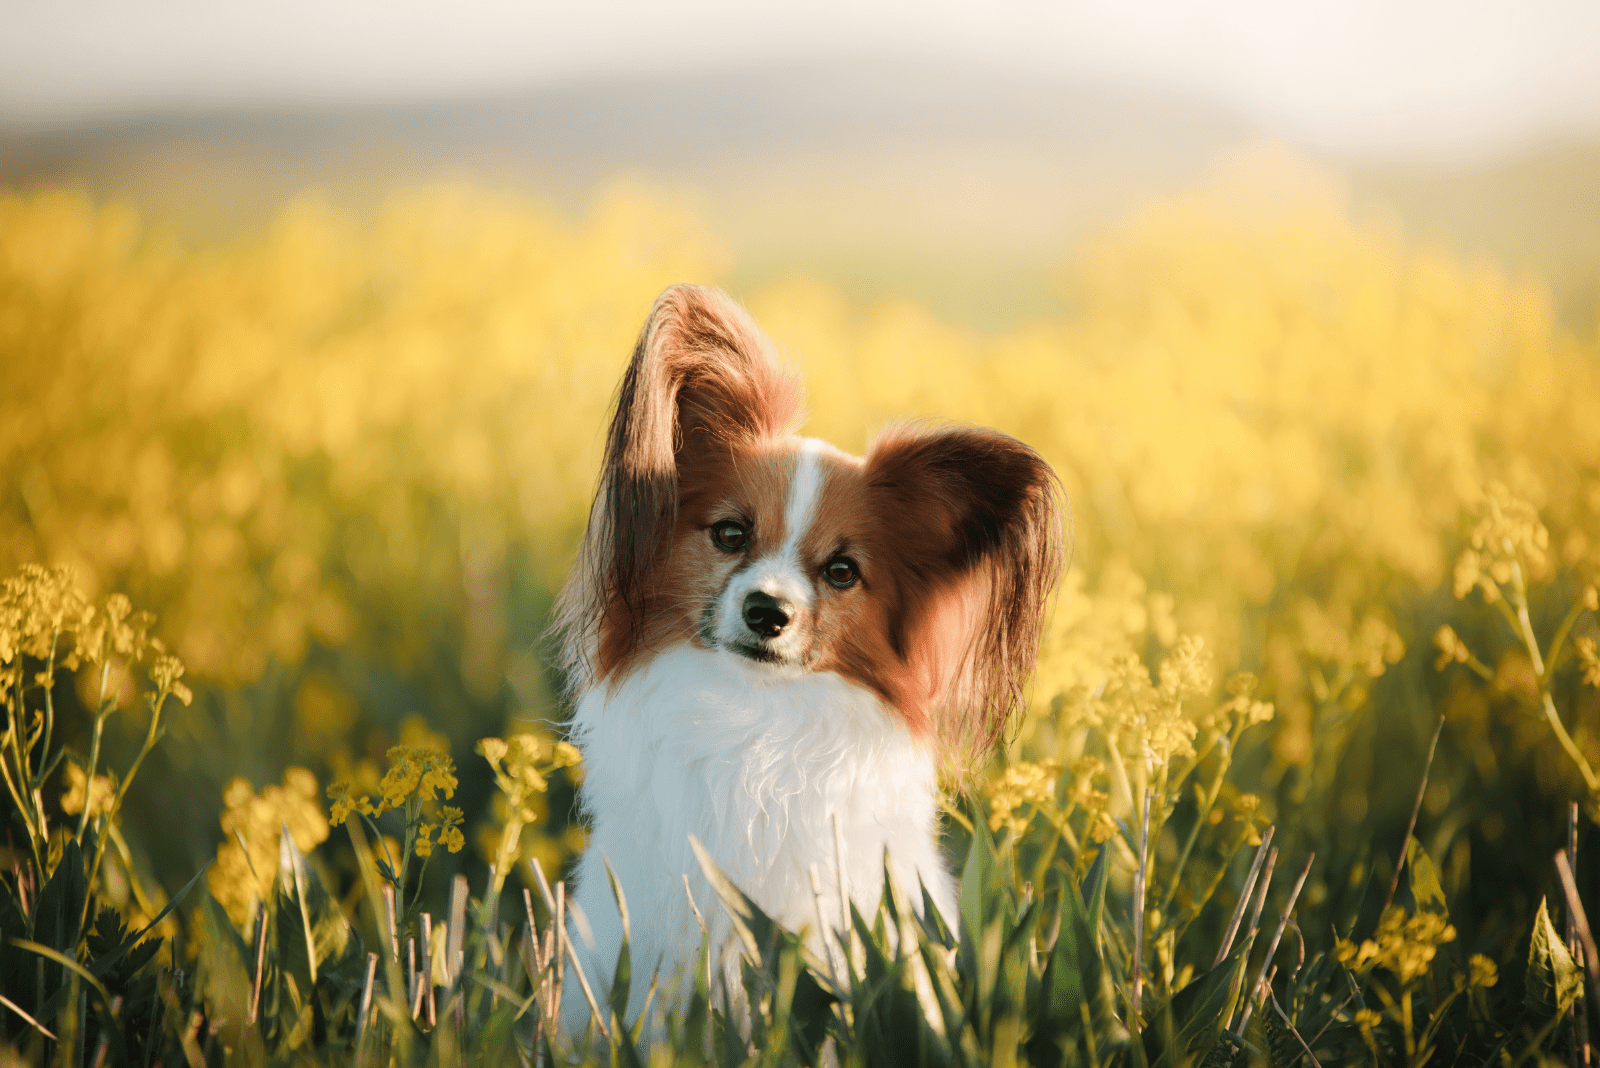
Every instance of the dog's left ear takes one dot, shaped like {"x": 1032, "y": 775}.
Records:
{"x": 702, "y": 379}
{"x": 978, "y": 508}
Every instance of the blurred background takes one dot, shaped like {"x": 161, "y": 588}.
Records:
{"x": 310, "y": 314}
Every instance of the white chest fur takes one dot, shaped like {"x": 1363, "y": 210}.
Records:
{"x": 755, "y": 762}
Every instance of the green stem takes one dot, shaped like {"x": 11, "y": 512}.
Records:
{"x": 49, "y": 703}
{"x": 1524, "y": 627}
{"x": 21, "y": 793}
{"x": 150, "y": 738}
{"x": 101, "y": 712}
{"x": 413, "y": 811}
{"x": 122, "y": 791}
{"x": 1561, "y": 635}
{"x": 1405, "y": 1011}
{"x": 1120, "y": 773}
{"x": 1200, "y": 821}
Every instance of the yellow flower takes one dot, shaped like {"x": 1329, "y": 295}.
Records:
{"x": 100, "y": 794}
{"x": 343, "y": 804}
{"x": 1451, "y": 648}
{"x": 1590, "y": 659}
{"x": 239, "y": 878}
{"x": 522, "y": 764}
{"x": 438, "y": 774}
{"x": 165, "y": 673}
{"x": 1086, "y": 771}
{"x": 402, "y": 778}
{"x": 1404, "y": 945}
{"x": 1481, "y": 972}
{"x": 1023, "y": 783}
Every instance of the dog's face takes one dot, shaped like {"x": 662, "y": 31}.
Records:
{"x": 918, "y": 571}
{"x": 769, "y": 570}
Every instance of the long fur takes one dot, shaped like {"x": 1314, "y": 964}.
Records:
{"x": 694, "y": 721}
{"x": 702, "y": 376}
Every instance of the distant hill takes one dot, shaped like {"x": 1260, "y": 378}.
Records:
{"x": 956, "y": 187}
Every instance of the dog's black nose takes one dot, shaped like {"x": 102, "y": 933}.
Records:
{"x": 764, "y": 614}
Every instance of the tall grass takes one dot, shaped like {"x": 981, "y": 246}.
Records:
{"x": 1314, "y": 713}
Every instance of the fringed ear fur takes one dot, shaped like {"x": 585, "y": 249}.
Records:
{"x": 978, "y": 506}
{"x": 702, "y": 378}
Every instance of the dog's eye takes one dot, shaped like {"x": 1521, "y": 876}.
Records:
{"x": 841, "y": 572}
{"x": 729, "y": 535}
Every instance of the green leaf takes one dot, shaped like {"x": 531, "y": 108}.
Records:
{"x": 889, "y": 1022}
{"x": 1076, "y": 1007}
{"x": 58, "y": 913}
{"x": 1425, "y": 888}
{"x": 1191, "y": 1023}
{"x": 622, "y": 975}
{"x": 765, "y": 943}
{"x": 982, "y": 884}
{"x": 315, "y": 951}
{"x": 1094, "y": 890}
{"x": 1553, "y": 981}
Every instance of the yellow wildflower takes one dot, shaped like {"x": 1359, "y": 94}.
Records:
{"x": 1404, "y": 945}
{"x": 1451, "y": 648}
{"x": 166, "y": 673}
{"x": 450, "y": 835}
{"x": 100, "y": 794}
{"x": 521, "y": 766}
{"x": 1509, "y": 538}
{"x": 1590, "y": 659}
{"x": 239, "y": 878}
{"x": 1020, "y": 784}
{"x": 1481, "y": 972}
{"x": 1086, "y": 771}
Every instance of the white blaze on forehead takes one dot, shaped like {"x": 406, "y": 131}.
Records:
{"x": 781, "y": 572}
{"x": 800, "y": 508}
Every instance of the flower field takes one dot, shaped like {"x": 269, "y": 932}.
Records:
{"x": 283, "y": 517}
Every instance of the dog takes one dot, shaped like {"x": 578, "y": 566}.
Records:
{"x": 769, "y": 641}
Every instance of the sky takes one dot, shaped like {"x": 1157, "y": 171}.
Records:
{"x": 1400, "y": 80}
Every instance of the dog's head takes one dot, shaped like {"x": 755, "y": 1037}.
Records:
{"x": 919, "y": 572}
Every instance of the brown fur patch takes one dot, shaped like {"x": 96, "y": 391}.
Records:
{"x": 702, "y": 383}
{"x": 955, "y": 532}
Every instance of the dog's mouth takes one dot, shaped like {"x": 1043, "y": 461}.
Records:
{"x": 758, "y": 653}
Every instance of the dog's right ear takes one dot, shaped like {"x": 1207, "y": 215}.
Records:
{"x": 703, "y": 378}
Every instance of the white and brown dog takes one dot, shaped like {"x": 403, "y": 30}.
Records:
{"x": 764, "y": 633}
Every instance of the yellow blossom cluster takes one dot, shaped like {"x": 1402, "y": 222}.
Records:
{"x": 43, "y": 614}
{"x": 1082, "y": 792}
{"x": 1403, "y": 944}
{"x": 1589, "y": 658}
{"x": 521, "y": 767}
{"x": 415, "y": 774}
{"x": 169, "y": 413}
{"x": 98, "y": 795}
{"x": 247, "y": 859}
{"x": 1021, "y": 784}
{"x": 448, "y": 828}
{"x": 1241, "y": 709}
{"x": 1509, "y": 536}
{"x": 1245, "y": 808}
{"x": 1482, "y": 973}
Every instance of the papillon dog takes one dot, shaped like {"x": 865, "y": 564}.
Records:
{"x": 769, "y": 640}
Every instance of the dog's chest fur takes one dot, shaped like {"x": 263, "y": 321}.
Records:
{"x": 756, "y": 764}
